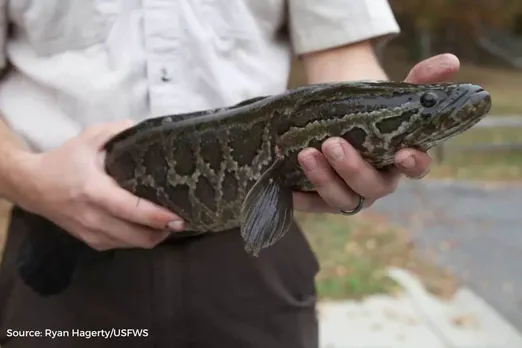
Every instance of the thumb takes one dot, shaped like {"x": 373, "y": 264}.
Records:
{"x": 435, "y": 69}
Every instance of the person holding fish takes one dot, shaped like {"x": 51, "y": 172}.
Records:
{"x": 77, "y": 74}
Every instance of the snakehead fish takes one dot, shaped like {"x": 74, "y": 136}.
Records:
{"x": 236, "y": 167}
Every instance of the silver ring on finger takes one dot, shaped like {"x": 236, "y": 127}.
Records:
{"x": 357, "y": 209}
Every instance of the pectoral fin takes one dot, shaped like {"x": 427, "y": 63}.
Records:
{"x": 267, "y": 212}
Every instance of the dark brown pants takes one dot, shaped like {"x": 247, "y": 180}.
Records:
{"x": 202, "y": 292}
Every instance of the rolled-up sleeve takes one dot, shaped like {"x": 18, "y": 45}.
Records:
{"x": 321, "y": 24}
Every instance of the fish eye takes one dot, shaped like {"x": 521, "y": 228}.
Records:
{"x": 428, "y": 99}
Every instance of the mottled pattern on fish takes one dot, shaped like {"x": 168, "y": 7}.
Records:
{"x": 236, "y": 167}
{"x": 202, "y": 165}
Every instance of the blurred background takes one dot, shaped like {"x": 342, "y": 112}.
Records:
{"x": 486, "y": 35}
{"x": 461, "y": 225}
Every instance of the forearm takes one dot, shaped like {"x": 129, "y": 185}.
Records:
{"x": 347, "y": 63}
{"x": 14, "y": 163}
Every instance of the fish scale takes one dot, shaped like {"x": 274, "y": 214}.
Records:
{"x": 236, "y": 167}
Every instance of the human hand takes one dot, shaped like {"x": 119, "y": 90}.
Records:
{"x": 341, "y": 176}
{"x": 71, "y": 188}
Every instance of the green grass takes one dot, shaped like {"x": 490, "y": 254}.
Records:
{"x": 355, "y": 252}
{"x": 344, "y": 272}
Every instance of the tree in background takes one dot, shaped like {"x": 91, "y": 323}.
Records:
{"x": 434, "y": 26}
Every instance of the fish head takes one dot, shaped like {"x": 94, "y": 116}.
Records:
{"x": 380, "y": 117}
{"x": 430, "y": 114}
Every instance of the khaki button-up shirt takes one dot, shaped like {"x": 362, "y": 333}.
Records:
{"x": 76, "y": 63}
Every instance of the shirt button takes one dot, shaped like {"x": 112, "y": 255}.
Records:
{"x": 164, "y": 75}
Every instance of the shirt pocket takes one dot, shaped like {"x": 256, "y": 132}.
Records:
{"x": 55, "y": 26}
{"x": 224, "y": 23}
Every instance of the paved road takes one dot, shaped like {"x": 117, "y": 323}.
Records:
{"x": 476, "y": 231}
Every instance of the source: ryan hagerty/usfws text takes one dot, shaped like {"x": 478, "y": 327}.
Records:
{"x": 79, "y": 333}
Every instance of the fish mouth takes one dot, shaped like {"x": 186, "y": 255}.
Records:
{"x": 468, "y": 109}
{"x": 473, "y": 104}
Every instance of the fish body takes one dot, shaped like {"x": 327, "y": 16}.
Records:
{"x": 236, "y": 167}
